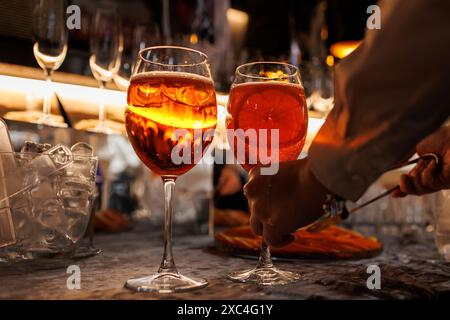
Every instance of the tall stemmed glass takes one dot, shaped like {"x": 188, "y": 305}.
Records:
{"x": 267, "y": 96}
{"x": 171, "y": 105}
{"x": 143, "y": 36}
{"x": 50, "y": 46}
{"x": 106, "y": 49}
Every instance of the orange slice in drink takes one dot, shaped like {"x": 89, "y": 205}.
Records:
{"x": 271, "y": 105}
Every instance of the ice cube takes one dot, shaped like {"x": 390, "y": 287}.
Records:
{"x": 33, "y": 147}
{"x": 23, "y": 223}
{"x": 49, "y": 212}
{"x": 75, "y": 199}
{"x": 84, "y": 165}
{"x": 33, "y": 236}
{"x": 50, "y": 223}
{"x": 37, "y": 170}
{"x": 61, "y": 155}
{"x": 52, "y": 203}
{"x": 82, "y": 149}
{"x": 78, "y": 221}
{"x": 51, "y": 240}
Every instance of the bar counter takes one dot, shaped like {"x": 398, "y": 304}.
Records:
{"x": 410, "y": 268}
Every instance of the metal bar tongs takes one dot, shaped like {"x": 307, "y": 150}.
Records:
{"x": 324, "y": 223}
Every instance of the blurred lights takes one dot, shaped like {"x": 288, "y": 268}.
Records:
{"x": 342, "y": 49}
{"x": 85, "y": 100}
{"x": 75, "y": 98}
{"x": 237, "y": 17}
{"x": 330, "y": 60}
{"x": 238, "y": 22}
{"x": 193, "y": 39}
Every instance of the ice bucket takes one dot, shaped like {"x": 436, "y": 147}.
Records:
{"x": 45, "y": 201}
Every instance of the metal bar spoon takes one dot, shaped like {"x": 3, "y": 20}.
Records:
{"x": 322, "y": 224}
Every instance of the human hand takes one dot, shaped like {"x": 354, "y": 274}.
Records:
{"x": 429, "y": 176}
{"x": 282, "y": 203}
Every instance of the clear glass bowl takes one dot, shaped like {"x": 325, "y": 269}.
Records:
{"x": 46, "y": 201}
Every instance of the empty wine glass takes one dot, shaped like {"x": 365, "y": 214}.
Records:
{"x": 122, "y": 76}
{"x": 106, "y": 50}
{"x": 50, "y": 46}
{"x": 141, "y": 37}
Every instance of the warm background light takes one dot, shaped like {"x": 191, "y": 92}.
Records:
{"x": 238, "y": 22}
{"x": 342, "y": 49}
{"x": 80, "y": 102}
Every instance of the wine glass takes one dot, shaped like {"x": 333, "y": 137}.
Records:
{"x": 106, "y": 49}
{"x": 50, "y": 46}
{"x": 264, "y": 97}
{"x": 171, "y": 104}
{"x": 141, "y": 37}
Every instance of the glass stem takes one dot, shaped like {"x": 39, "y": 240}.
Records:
{"x": 265, "y": 259}
{"x": 47, "y": 107}
{"x": 167, "y": 263}
{"x": 101, "y": 109}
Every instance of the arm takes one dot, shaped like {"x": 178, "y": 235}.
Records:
{"x": 390, "y": 93}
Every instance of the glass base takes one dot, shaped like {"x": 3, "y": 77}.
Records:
{"x": 50, "y": 120}
{"x": 265, "y": 276}
{"x": 36, "y": 117}
{"x": 165, "y": 282}
{"x": 85, "y": 252}
{"x": 93, "y": 125}
{"x": 102, "y": 128}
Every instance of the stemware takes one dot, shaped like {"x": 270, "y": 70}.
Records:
{"x": 266, "y": 97}
{"x": 50, "y": 47}
{"x": 171, "y": 105}
{"x": 142, "y": 36}
{"x": 106, "y": 43}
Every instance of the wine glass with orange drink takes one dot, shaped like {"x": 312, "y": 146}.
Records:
{"x": 267, "y": 103}
{"x": 170, "y": 121}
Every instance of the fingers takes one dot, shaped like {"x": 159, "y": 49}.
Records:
{"x": 416, "y": 175}
{"x": 260, "y": 213}
{"x": 434, "y": 177}
{"x": 398, "y": 194}
{"x": 262, "y": 224}
{"x": 252, "y": 187}
{"x": 271, "y": 234}
{"x": 254, "y": 172}
{"x": 421, "y": 180}
{"x": 259, "y": 207}
{"x": 274, "y": 238}
{"x": 256, "y": 225}
{"x": 265, "y": 221}
{"x": 256, "y": 192}
{"x": 406, "y": 185}
{"x": 428, "y": 176}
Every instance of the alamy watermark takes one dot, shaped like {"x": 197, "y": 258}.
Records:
{"x": 374, "y": 20}
{"x": 73, "y": 21}
{"x": 374, "y": 280}
{"x": 74, "y": 280}
{"x": 252, "y": 147}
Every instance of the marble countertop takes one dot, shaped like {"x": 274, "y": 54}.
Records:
{"x": 410, "y": 268}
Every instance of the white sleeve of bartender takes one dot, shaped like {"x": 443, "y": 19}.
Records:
{"x": 389, "y": 94}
